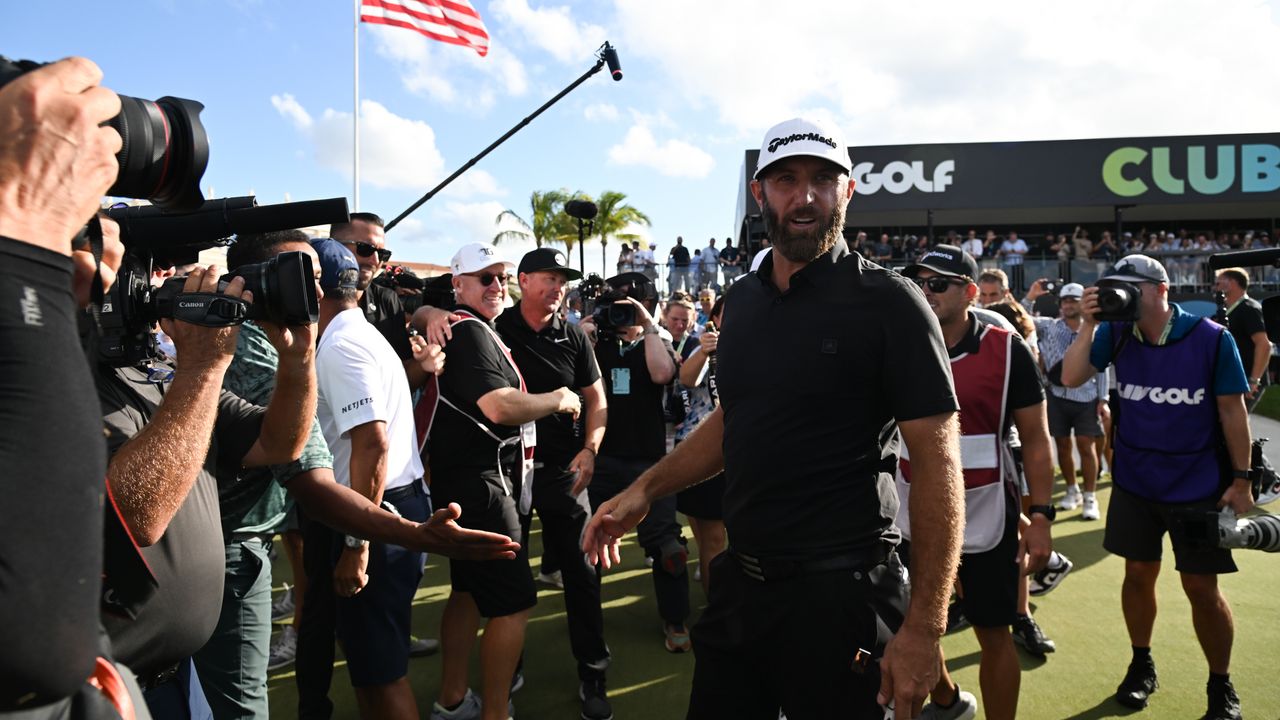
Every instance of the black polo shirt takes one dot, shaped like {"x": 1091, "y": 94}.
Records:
{"x": 812, "y": 382}
{"x": 384, "y": 308}
{"x": 1243, "y": 321}
{"x": 1025, "y": 389}
{"x": 475, "y": 365}
{"x": 188, "y": 561}
{"x": 558, "y": 356}
{"x": 681, "y": 254}
{"x": 637, "y": 423}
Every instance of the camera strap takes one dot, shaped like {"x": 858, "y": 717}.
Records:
{"x": 210, "y": 309}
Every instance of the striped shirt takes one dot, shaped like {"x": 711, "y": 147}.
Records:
{"x": 1055, "y": 337}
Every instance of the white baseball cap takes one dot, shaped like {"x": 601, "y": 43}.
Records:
{"x": 1072, "y": 290}
{"x": 475, "y": 257}
{"x": 799, "y": 136}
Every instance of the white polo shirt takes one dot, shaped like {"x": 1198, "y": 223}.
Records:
{"x": 361, "y": 379}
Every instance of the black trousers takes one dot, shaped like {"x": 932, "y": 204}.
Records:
{"x": 659, "y": 529}
{"x": 564, "y": 521}
{"x": 313, "y": 668}
{"x": 791, "y": 644}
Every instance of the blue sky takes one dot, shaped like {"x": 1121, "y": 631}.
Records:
{"x": 703, "y": 81}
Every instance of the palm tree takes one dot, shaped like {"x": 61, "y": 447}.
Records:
{"x": 547, "y": 221}
{"x": 615, "y": 216}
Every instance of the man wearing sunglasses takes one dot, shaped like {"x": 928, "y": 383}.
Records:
{"x": 998, "y": 388}
{"x": 1181, "y": 388}
{"x": 366, "y": 239}
{"x": 482, "y": 441}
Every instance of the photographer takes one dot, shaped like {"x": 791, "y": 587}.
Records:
{"x": 167, "y": 441}
{"x": 1071, "y": 410}
{"x": 1181, "y": 389}
{"x": 637, "y": 363}
{"x": 56, "y": 161}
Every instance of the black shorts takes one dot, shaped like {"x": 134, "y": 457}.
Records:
{"x": 1136, "y": 528}
{"x": 704, "y": 501}
{"x": 988, "y": 580}
{"x": 373, "y": 626}
{"x": 1068, "y": 416}
{"x": 499, "y": 587}
{"x": 791, "y": 643}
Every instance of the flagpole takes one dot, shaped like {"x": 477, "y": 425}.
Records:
{"x": 355, "y": 109}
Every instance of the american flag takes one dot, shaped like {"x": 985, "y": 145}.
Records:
{"x": 451, "y": 21}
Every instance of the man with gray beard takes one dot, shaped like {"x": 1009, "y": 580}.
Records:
{"x": 804, "y": 606}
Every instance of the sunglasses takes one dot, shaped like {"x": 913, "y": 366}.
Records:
{"x": 364, "y": 249}
{"x": 937, "y": 284}
{"x": 486, "y": 279}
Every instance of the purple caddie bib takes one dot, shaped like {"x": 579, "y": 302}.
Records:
{"x": 1167, "y": 444}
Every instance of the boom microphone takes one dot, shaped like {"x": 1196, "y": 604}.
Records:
{"x": 1244, "y": 258}
{"x": 611, "y": 58}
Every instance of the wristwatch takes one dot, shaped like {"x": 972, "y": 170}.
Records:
{"x": 354, "y": 543}
{"x": 1240, "y": 474}
{"x": 1049, "y": 511}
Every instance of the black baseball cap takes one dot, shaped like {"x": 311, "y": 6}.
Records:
{"x": 945, "y": 260}
{"x": 547, "y": 259}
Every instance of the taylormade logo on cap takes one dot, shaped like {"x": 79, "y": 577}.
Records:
{"x": 802, "y": 137}
{"x": 774, "y": 143}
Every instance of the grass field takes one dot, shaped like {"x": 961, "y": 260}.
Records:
{"x": 1082, "y": 616}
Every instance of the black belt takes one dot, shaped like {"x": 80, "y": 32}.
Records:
{"x": 155, "y": 680}
{"x": 405, "y": 491}
{"x": 775, "y": 569}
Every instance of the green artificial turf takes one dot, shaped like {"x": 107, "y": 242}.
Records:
{"x": 1077, "y": 682}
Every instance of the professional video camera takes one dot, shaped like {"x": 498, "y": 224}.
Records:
{"x": 600, "y": 300}
{"x": 283, "y": 287}
{"x": 1117, "y": 300}
{"x": 165, "y": 148}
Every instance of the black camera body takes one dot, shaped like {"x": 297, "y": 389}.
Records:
{"x": 283, "y": 287}
{"x": 603, "y": 300}
{"x": 284, "y": 292}
{"x": 1118, "y": 300}
{"x": 165, "y": 148}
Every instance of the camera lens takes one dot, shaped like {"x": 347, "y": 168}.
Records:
{"x": 164, "y": 153}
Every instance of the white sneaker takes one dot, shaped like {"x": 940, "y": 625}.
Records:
{"x": 284, "y": 648}
{"x": 282, "y": 608}
{"x": 1090, "y": 511}
{"x": 964, "y": 708}
{"x": 1072, "y": 499}
{"x": 553, "y": 579}
{"x": 468, "y": 710}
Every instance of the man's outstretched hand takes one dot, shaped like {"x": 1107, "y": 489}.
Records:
{"x": 615, "y": 518}
{"x": 442, "y": 535}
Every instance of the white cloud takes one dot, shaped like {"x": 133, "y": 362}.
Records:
{"x": 291, "y": 109}
{"x": 550, "y": 28}
{"x": 395, "y": 152}
{"x": 939, "y": 71}
{"x": 476, "y": 222}
{"x": 674, "y": 158}
{"x": 600, "y": 112}
{"x": 448, "y": 74}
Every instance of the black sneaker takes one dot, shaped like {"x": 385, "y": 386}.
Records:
{"x": 1027, "y": 633}
{"x": 595, "y": 704}
{"x": 1138, "y": 684}
{"x": 1224, "y": 704}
